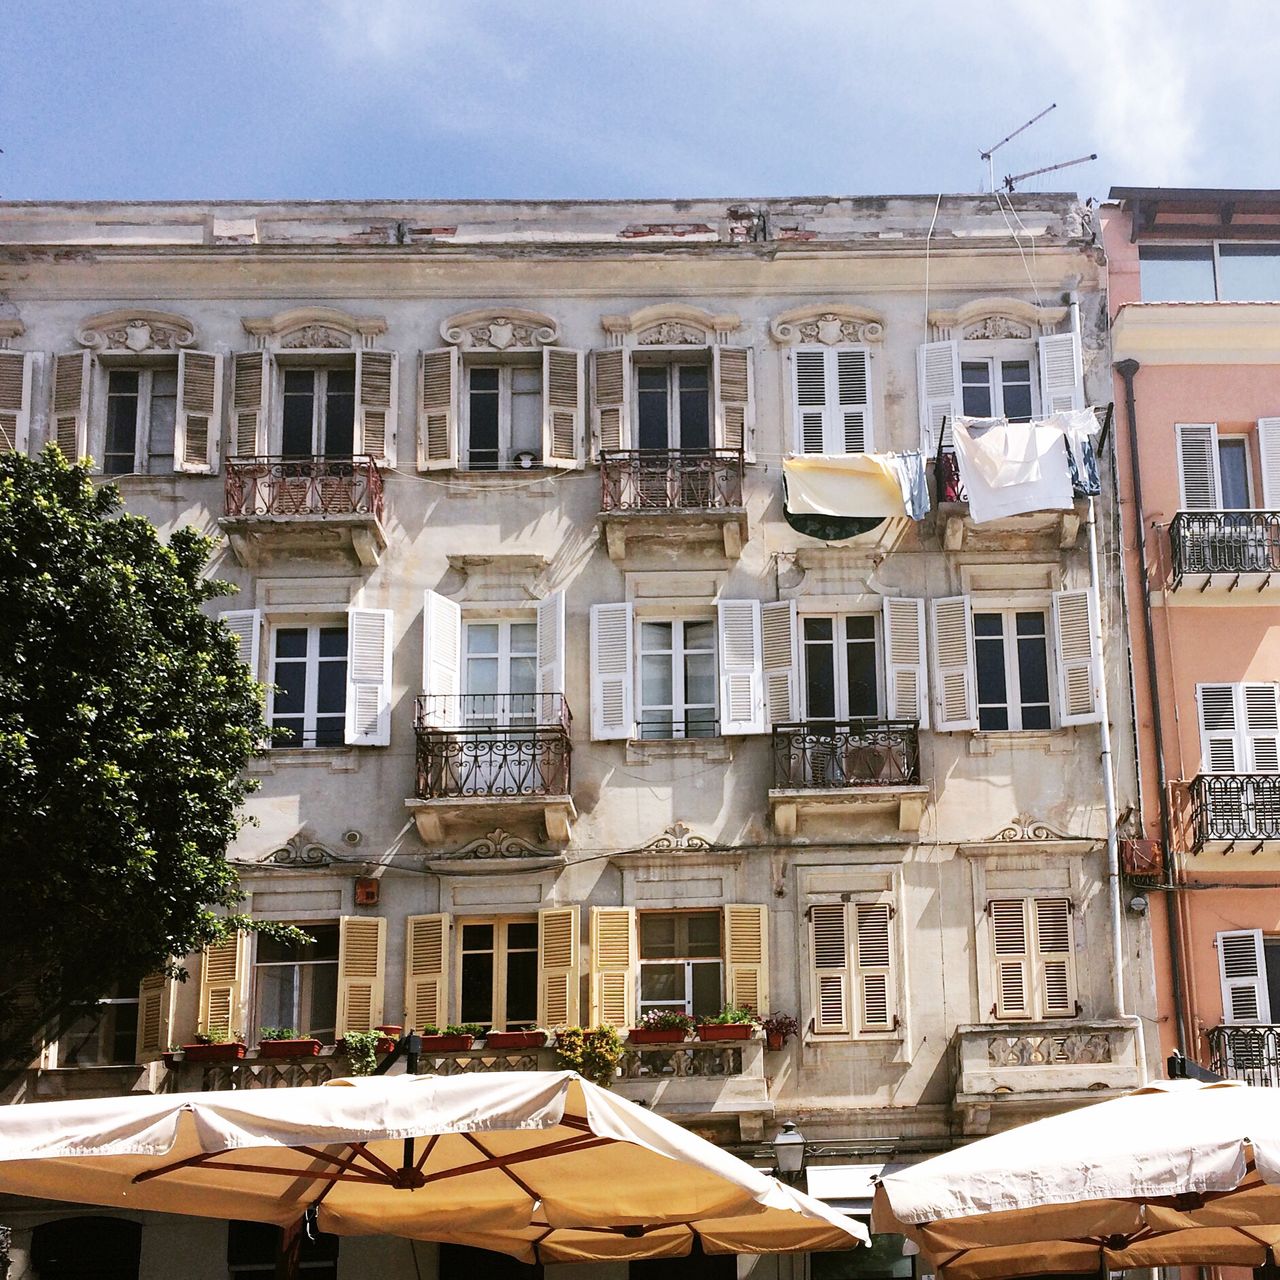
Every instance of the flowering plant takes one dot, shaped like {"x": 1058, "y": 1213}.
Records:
{"x": 666, "y": 1020}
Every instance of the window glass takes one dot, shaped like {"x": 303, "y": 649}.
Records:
{"x": 298, "y": 421}
{"x": 104, "y": 1035}
{"x": 526, "y": 410}
{"x": 297, "y": 986}
{"x": 1249, "y": 272}
{"x": 499, "y": 979}
{"x": 340, "y": 413}
{"x": 309, "y": 672}
{"x": 122, "y": 422}
{"x": 1176, "y": 273}
{"x": 993, "y": 697}
{"x": 1015, "y": 389}
{"x": 483, "y": 418}
{"x": 975, "y": 388}
{"x": 680, "y": 962}
{"x": 477, "y": 974}
{"x": 1271, "y": 958}
{"x": 164, "y": 412}
{"x": 860, "y": 657}
{"x": 653, "y": 429}
{"x": 522, "y": 974}
{"x": 1033, "y": 669}
{"x": 819, "y": 668}
{"x": 1234, "y": 465}
{"x": 695, "y": 406}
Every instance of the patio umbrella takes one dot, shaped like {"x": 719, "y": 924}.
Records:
{"x": 541, "y": 1165}
{"x": 1175, "y": 1174}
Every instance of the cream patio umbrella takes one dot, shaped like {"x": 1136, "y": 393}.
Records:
{"x": 541, "y": 1165}
{"x": 1175, "y": 1174}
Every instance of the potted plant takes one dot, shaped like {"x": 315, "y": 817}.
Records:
{"x": 453, "y": 1039}
{"x": 214, "y": 1046}
{"x": 390, "y": 1030}
{"x": 286, "y": 1042}
{"x": 778, "y": 1029}
{"x": 173, "y": 1055}
{"x": 661, "y": 1026}
{"x": 732, "y": 1023}
{"x": 532, "y": 1039}
{"x": 362, "y": 1049}
{"x": 593, "y": 1053}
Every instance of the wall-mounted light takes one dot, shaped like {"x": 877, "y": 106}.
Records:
{"x": 789, "y": 1152}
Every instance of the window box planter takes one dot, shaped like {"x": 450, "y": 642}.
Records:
{"x": 515, "y": 1040}
{"x": 725, "y": 1030}
{"x": 656, "y": 1035}
{"x": 391, "y": 1030}
{"x": 305, "y": 1047}
{"x": 230, "y": 1051}
{"x": 446, "y": 1044}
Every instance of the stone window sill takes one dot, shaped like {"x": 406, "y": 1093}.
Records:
{"x": 335, "y": 759}
{"x": 987, "y": 742}
{"x": 642, "y": 750}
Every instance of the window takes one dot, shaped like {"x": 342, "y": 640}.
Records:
{"x": 1011, "y": 651}
{"x": 852, "y": 967}
{"x": 1177, "y": 273}
{"x": 678, "y": 679}
{"x": 297, "y": 986}
{"x": 462, "y": 1262}
{"x": 106, "y": 1035}
{"x": 86, "y": 1248}
{"x": 504, "y": 415}
{"x": 1249, "y": 272}
{"x": 498, "y": 973}
{"x": 1239, "y": 731}
{"x": 1033, "y": 957}
{"x": 993, "y": 388}
{"x": 500, "y": 677}
{"x": 841, "y": 667}
{"x": 253, "y": 1248}
{"x": 1249, "y": 967}
{"x": 680, "y": 962}
{"x": 833, "y": 399}
{"x": 319, "y": 413}
{"x": 1215, "y": 471}
{"x": 673, "y": 406}
{"x": 309, "y": 675}
{"x": 142, "y": 407}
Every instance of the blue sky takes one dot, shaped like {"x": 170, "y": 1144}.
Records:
{"x": 154, "y": 99}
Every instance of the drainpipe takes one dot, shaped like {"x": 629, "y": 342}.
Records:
{"x": 1127, "y": 369}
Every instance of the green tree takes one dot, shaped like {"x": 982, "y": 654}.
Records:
{"x": 126, "y": 723}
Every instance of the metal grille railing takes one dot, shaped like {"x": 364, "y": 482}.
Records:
{"x": 1234, "y": 806}
{"x": 1251, "y": 1054}
{"x": 671, "y": 480}
{"x": 303, "y": 487}
{"x": 1225, "y": 542}
{"x": 950, "y": 486}
{"x": 846, "y": 753}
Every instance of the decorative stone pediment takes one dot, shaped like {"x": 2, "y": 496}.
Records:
{"x": 1025, "y": 827}
{"x": 502, "y": 330}
{"x": 502, "y": 576}
{"x": 315, "y": 329}
{"x": 993, "y": 319}
{"x": 137, "y": 331}
{"x": 669, "y": 325}
{"x": 498, "y": 844}
{"x": 678, "y": 838}
{"x": 828, "y": 324}
{"x": 300, "y": 851}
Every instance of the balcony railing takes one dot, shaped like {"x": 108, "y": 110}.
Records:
{"x": 653, "y": 480}
{"x": 1234, "y": 807}
{"x": 950, "y": 486}
{"x": 826, "y": 754}
{"x": 1251, "y": 1054}
{"x": 498, "y": 745}
{"x": 303, "y": 487}
{"x": 1209, "y": 542}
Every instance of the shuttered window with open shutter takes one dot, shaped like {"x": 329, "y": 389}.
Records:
{"x": 368, "y": 721}
{"x": 1221, "y": 749}
{"x": 438, "y": 382}
{"x": 362, "y": 946}
{"x": 938, "y": 389}
{"x": 558, "y": 967}
{"x": 69, "y": 423}
{"x": 1079, "y": 665}
{"x": 741, "y": 668}
{"x": 155, "y": 1016}
{"x": 732, "y": 380}
{"x": 746, "y": 956}
{"x": 612, "y": 681}
{"x": 1061, "y": 373}
{"x": 873, "y": 954}
{"x": 197, "y": 433}
{"x": 377, "y": 386}
{"x": 832, "y": 971}
{"x": 17, "y": 369}
{"x": 832, "y": 399}
{"x": 781, "y": 667}
{"x": 906, "y": 685}
{"x": 246, "y": 626}
{"x": 563, "y": 414}
{"x": 1242, "y": 968}
{"x": 613, "y": 966}
{"x": 611, "y": 399}
{"x": 441, "y": 659}
{"x": 224, "y": 977}
{"x": 426, "y": 972}
{"x": 550, "y": 645}
{"x": 955, "y": 696}
{"x": 250, "y": 393}
{"x": 1198, "y": 474}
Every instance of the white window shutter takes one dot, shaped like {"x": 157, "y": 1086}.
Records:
{"x": 613, "y": 967}
{"x": 197, "y": 433}
{"x": 1261, "y": 721}
{"x": 1012, "y": 957}
{"x": 155, "y": 1016}
{"x": 224, "y": 980}
{"x": 362, "y": 964}
{"x": 810, "y": 401}
{"x": 1079, "y": 664}
{"x": 1061, "y": 373}
{"x": 1221, "y": 747}
{"x": 778, "y": 643}
{"x": 873, "y": 951}
{"x": 938, "y": 383}
{"x": 377, "y": 387}
{"x": 69, "y": 422}
{"x": 734, "y": 398}
{"x": 550, "y": 678}
{"x": 1242, "y": 968}
{"x": 563, "y": 417}
{"x": 829, "y": 960}
{"x": 426, "y": 972}
{"x": 558, "y": 967}
{"x": 438, "y": 382}
{"x": 746, "y": 956}
{"x": 250, "y": 399}
{"x": 17, "y": 369}
{"x": 1198, "y": 472}
{"x": 741, "y": 667}
{"x": 906, "y": 684}
{"x": 955, "y": 693}
{"x": 1055, "y": 958}
{"x": 246, "y": 626}
{"x": 611, "y": 399}
{"x": 441, "y": 660}
{"x": 855, "y": 430}
{"x": 368, "y": 722}
{"x": 612, "y": 679}
{"x": 1269, "y": 454}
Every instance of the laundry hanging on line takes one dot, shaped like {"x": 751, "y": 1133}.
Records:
{"x": 856, "y": 485}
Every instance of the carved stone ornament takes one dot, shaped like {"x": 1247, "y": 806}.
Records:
{"x": 136, "y": 331}
{"x": 1025, "y": 827}
{"x": 828, "y": 326}
{"x": 508, "y": 330}
{"x": 995, "y": 318}
{"x": 678, "y": 838}
{"x": 315, "y": 328}
{"x": 300, "y": 851}
{"x": 498, "y": 844}
{"x": 672, "y": 334}
{"x": 670, "y": 324}
{"x": 316, "y": 336}
{"x": 996, "y": 327}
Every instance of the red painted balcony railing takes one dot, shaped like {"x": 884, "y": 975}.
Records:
{"x": 304, "y": 487}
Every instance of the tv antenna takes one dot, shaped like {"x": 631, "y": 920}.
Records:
{"x": 1011, "y": 180}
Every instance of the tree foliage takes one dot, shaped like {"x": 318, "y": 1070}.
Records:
{"x": 126, "y": 723}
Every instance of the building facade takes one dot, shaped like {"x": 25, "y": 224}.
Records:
{"x": 580, "y": 725}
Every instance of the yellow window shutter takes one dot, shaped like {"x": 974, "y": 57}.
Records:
{"x": 1055, "y": 958}
{"x": 377, "y": 380}
{"x": 733, "y": 404}
{"x": 558, "y": 967}
{"x": 69, "y": 426}
{"x": 1009, "y": 946}
{"x": 611, "y": 401}
{"x": 155, "y": 1016}
{"x": 224, "y": 975}
{"x": 362, "y": 950}
{"x": 16, "y": 371}
{"x": 438, "y": 381}
{"x": 746, "y": 956}
{"x": 613, "y": 963}
{"x": 198, "y": 429}
{"x": 562, "y": 416}
{"x": 426, "y": 972}
{"x": 250, "y": 397}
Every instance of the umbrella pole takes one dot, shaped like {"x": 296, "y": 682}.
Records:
{"x": 289, "y": 1250}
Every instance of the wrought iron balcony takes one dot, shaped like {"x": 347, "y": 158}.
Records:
{"x": 671, "y": 480}
{"x": 1234, "y": 808}
{"x": 303, "y": 487}
{"x": 1230, "y": 545}
{"x": 846, "y": 753}
{"x": 1248, "y": 1053}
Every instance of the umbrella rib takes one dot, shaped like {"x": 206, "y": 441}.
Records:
{"x": 524, "y": 1186}
{"x": 362, "y": 1149}
{"x": 206, "y": 1159}
{"x": 426, "y": 1151}
{"x": 564, "y": 1147}
{"x": 348, "y": 1162}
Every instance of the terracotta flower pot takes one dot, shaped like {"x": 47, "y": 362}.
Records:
{"x": 724, "y": 1030}
{"x": 515, "y": 1040}
{"x": 656, "y": 1035}
{"x": 446, "y": 1044}
{"x": 391, "y": 1030}
{"x": 229, "y": 1051}
{"x": 775, "y": 1040}
{"x": 304, "y": 1047}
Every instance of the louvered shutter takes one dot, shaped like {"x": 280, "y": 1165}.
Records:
{"x": 368, "y": 721}
{"x": 246, "y": 626}
{"x": 155, "y": 1016}
{"x": 69, "y": 424}
{"x": 1242, "y": 967}
{"x": 438, "y": 382}
{"x": 955, "y": 694}
{"x": 17, "y": 368}
{"x": 1221, "y": 748}
{"x": 197, "y": 432}
{"x": 426, "y": 972}
{"x": 441, "y": 660}
{"x": 1079, "y": 665}
{"x": 1261, "y": 721}
{"x": 611, "y": 399}
{"x": 1198, "y": 473}
{"x": 613, "y": 964}
{"x": 746, "y": 956}
{"x": 558, "y": 967}
{"x": 809, "y": 369}
{"x": 938, "y": 382}
{"x": 778, "y": 642}
{"x": 741, "y": 668}
{"x": 873, "y": 951}
{"x": 1061, "y": 373}
{"x": 855, "y": 432}
{"x": 905, "y": 681}
{"x": 1012, "y": 958}
{"x": 563, "y": 385}
{"x": 830, "y": 963}
{"x": 224, "y": 975}
{"x": 1055, "y": 959}
{"x": 612, "y": 681}
{"x": 250, "y": 398}
{"x": 1269, "y": 455}
{"x": 377, "y": 384}
{"x": 550, "y": 655}
{"x": 362, "y": 948}
{"x": 731, "y": 377}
